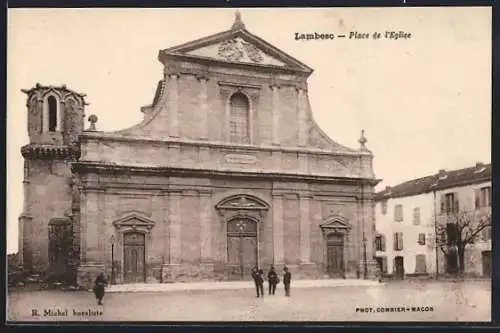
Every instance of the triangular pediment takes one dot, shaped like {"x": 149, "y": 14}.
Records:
{"x": 237, "y": 46}
{"x": 335, "y": 222}
{"x": 134, "y": 221}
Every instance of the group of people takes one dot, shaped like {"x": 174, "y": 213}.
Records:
{"x": 272, "y": 279}
{"x": 257, "y": 275}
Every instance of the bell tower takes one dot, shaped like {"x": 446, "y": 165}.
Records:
{"x": 55, "y": 118}
{"x": 55, "y": 115}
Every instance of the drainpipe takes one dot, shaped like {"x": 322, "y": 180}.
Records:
{"x": 436, "y": 235}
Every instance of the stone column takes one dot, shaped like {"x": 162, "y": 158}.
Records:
{"x": 45, "y": 117}
{"x": 305, "y": 226}
{"x": 278, "y": 231}
{"x": 173, "y": 105}
{"x": 175, "y": 227}
{"x": 204, "y": 109}
{"x": 276, "y": 114}
{"x": 302, "y": 116}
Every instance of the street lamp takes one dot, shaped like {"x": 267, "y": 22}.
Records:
{"x": 112, "y": 239}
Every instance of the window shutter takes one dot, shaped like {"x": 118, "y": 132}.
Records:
{"x": 395, "y": 241}
{"x": 443, "y": 203}
{"x": 477, "y": 197}
{"x": 384, "y": 264}
{"x": 400, "y": 237}
{"x": 382, "y": 240}
{"x": 457, "y": 207}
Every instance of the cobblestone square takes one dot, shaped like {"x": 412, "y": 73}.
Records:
{"x": 438, "y": 301}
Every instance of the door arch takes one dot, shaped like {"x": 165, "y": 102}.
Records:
{"x": 134, "y": 257}
{"x": 242, "y": 247}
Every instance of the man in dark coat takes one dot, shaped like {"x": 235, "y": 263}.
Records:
{"x": 99, "y": 284}
{"x": 273, "y": 280}
{"x": 255, "y": 277}
{"x": 287, "y": 280}
{"x": 260, "y": 281}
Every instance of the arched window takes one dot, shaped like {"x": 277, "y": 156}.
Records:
{"x": 52, "y": 113}
{"x": 239, "y": 119}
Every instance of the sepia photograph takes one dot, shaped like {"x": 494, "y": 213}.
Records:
{"x": 249, "y": 164}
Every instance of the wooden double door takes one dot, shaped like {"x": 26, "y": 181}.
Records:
{"x": 134, "y": 258}
{"x": 335, "y": 255}
{"x": 242, "y": 248}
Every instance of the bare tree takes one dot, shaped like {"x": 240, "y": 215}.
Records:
{"x": 459, "y": 229}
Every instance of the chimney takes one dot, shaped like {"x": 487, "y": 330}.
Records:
{"x": 479, "y": 164}
{"x": 442, "y": 172}
{"x": 387, "y": 188}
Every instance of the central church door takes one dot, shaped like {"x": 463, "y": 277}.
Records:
{"x": 335, "y": 255}
{"x": 134, "y": 257}
{"x": 241, "y": 248}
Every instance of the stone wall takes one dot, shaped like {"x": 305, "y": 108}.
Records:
{"x": 49, "y": 196}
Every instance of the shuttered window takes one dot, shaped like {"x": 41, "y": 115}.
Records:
{"x": 421, "y": 239}
{"x": 483, "y": 197}
{"x": 449, "y": 203}
{"x": 416, "y": 216}
{"x": 398, "y": 241}
{"x": 380, "y": 243}
{"x": 398, "y": 213}
{"x": 239, "y": 119}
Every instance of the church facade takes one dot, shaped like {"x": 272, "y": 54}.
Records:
{"x": 227, "y": 170}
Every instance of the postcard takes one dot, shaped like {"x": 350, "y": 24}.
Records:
{"x": 256, "y": 164}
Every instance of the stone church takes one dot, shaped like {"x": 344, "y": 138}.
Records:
{"x": 226, "y": 171}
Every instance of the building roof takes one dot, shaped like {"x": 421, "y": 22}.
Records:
{"x": 442, "y": 180}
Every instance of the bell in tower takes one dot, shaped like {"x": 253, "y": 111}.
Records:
{"x": 55, "y": 115}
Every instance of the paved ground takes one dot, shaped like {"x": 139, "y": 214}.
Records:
{"x": 469, "y": 301}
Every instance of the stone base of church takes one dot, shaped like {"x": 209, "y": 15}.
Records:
{"x": 87, "y": 273}
{"x": 187, "y": 272}
{"x": 371, "y": 269}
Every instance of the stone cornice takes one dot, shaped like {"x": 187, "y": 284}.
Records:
{"x": 249, "y": 66}
{"x": 96, "y": 167}
{"x": 50, "y": 152}
{"x": 87, "y": 136}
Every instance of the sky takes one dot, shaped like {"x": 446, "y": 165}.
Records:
{"x": 424, "y": 102}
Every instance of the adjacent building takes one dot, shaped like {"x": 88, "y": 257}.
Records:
{"x": 227, "y": 170}
{"x": 421, "y": 222}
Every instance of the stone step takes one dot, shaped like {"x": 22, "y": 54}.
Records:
{"x": 234, "y": 285}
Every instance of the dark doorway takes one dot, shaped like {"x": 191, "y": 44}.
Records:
{"x": 452, "y": 262}
{"x": 486, "y": 259}
{"x": 61, "y": 249}
{"x": 335, "y": 255}
{"x": 134, "y": 257}
{"x": 399, "y": 267}
{"x": 241, "y": 248}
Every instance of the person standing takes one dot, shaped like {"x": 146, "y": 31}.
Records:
{"x": 287, "y": 280}
{"x": 255, "y": 280}
{"x": 260, "y": 281}
{"x": 272, "y": 279}
{"x": 99, "y": 284}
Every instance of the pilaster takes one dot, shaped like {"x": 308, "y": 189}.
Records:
{"x": 206, "y": 227}
{"x": 302, "y": 116}
{"x": 173, "y": 104}
{"x": 204, "y": 109}
{"x": 305, "y": 227}
{"x": 90, "y": 223}
{"x": 276, "y": 114}
{"x": 278, "y": 230}
{"x": 175, "y": 226}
